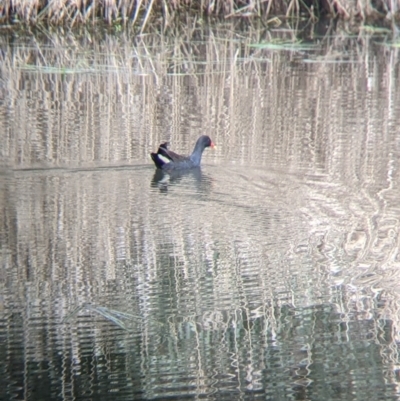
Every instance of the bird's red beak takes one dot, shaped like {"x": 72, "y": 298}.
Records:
{"x": 213, "y": 146}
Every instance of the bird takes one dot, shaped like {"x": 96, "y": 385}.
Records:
{"x": 166, "y": 159}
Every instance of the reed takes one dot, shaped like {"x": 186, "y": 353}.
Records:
{"x": 165, "y": 13}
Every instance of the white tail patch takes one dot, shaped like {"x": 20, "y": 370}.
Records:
{"x": 163, "y": 158}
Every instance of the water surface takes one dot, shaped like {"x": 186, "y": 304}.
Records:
{"x": 269, "y": 273}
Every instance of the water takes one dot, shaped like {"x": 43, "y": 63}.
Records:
{"x": 270, "y": 273}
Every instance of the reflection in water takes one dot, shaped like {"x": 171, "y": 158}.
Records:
{"x": 272, "y": 272}
{"x": 162, "y": 179}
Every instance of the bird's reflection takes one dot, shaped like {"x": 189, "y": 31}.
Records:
{"x": 164, "y": 179}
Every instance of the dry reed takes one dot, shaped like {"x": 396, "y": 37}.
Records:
{"x": 167, "y": 13}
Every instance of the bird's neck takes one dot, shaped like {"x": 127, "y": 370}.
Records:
{"x": 195, "y": 157}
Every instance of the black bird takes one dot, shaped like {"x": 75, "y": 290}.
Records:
{"x": 166, "y": 159}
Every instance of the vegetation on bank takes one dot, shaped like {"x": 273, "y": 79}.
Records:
{"x": 141, "y": 13}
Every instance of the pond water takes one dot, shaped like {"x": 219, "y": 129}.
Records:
{"x": 272, "y": 272}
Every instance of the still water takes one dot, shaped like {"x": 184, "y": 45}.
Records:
{"x": 270, "y": 273}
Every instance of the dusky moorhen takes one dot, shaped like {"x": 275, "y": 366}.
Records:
{"x": 166, "y": 159}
